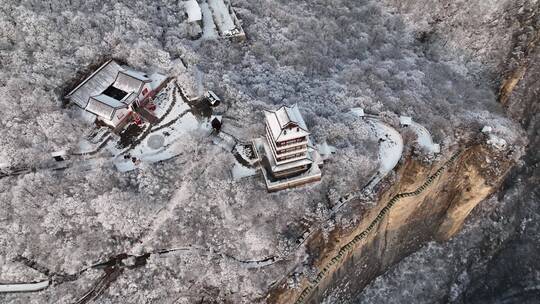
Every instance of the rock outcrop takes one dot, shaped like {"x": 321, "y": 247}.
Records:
{"x": 426, "y": 202}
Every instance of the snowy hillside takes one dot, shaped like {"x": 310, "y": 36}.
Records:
{"x": 178, "y": 229}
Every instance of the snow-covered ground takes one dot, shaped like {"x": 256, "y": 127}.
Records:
{"x": 424, "y": 139}
{"x": 162, "y": 100}
{"x": 178, "y": 108}
{"x": 390, "y": 148}
{"x": 247, "y": 153}
{"x": 493, "y": 139}
{"x": 325, "y": 150}
{"x": 225, "y": 141}
{"x": 163, "y": 140}
{"x": 85, "y": 146}
{"x": 153, "y": 143}
{"x": 297, "y": 53}
{"x": 237, "y": 129}
{"x": 390, "y": 145}
{"x": 240, "y": 171}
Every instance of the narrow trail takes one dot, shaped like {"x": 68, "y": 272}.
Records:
{"x": 390, "y": 152}
{"x": 103, "y": 283}
{"x": 170, "y": 123}
{"x": 424, "y": 138}
{"x": 24, "y": 287}
{"x": 383, "y": 131}
{"x": 96, "y": 150}
{"x": 107, "y": 137}
{"x": 390, "y": 148}
{"x": 389, "y": 155}
{"x": 350, "y": 246}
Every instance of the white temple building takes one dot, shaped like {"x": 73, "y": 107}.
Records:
{"x": 286, "y": 156}
{"x": 113, "y": 92}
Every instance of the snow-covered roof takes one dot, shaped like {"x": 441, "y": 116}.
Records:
{"x": 358, "y": 112}
{"x": 218, "y": 117}
{"x": 156, "y": 80}
{"x": 286, "y": 123}
{"x": 405, "y": 120}
{"x": 111, "y": 102}
{"x": 127, "y": 83}
{"x": 24, "y": 287}
{"x": 101, "y": 108}
{"x": 109, "y": 74}
{"x": 212, "y": 98}
{"x": 286, "y": 166}
{"x": 59, "y": 153}
{"x": 111, "y": 87}
{"x": 95, "y": 84}
{"x": 222, "y": 16}
{"x": 130, "y": 98}
{"x": 193, "y": 10}
{"x": 135, "y": 74}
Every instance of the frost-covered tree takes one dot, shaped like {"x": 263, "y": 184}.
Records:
{"x": 326, "y": 56}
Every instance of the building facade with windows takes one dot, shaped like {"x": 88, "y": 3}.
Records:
{"x": 285, "y": 155}
{"x": 287, "y": 136}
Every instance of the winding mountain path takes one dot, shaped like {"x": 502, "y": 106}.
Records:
{"x": 350, "y": 246}
{"x": 390, "y": 148}
{"x": 24, "y": 287}
{"x": 424, "y": 138}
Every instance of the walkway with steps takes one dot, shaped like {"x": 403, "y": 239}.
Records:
{"x": 350, "y": 246}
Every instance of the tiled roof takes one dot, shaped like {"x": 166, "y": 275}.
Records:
{"x": 100, "y": 108}
{"x": 128, "y": 81}
{"x": 281, "y": 120}
{"x": 95, "y": 84}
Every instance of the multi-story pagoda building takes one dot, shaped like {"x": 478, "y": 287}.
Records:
{"x": 287, "y": 158}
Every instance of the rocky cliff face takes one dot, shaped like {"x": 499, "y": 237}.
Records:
{"x": 328, "y": 60}
{"x": 494, "y": 259}
{"x": 427, "y": 202}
